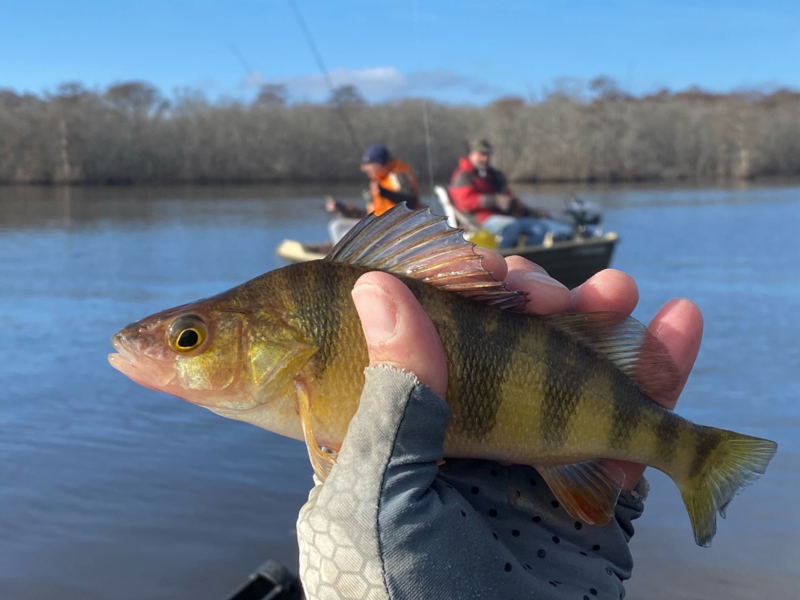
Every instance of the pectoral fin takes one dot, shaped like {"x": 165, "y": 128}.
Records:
{"x": 588, "y": 491}
{"x": 322, "y": 460}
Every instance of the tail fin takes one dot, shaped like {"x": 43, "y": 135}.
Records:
{"x": 731, "y": 464}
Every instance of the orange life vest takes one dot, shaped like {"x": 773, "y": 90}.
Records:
{"x": 389, "y": 181}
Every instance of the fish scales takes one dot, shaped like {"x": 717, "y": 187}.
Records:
{"x": 564, "y": 394}
{"x": 335, "y": 372}
{"x": 518, "y": 388}
{"x": 551, "y": 413}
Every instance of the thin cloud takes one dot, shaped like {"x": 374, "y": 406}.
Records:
{"x": 254, "y": 79}
{"x": 389, "y": 82}
{"x": 445, "y": 79}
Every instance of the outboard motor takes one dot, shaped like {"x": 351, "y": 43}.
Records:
{"x": 586, "y": 217}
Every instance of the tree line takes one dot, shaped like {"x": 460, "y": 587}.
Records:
{"x": 131, "y": 133}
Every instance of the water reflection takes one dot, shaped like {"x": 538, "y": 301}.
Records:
{"x": 64, "y": 207}
{"x": 108, "y": 486}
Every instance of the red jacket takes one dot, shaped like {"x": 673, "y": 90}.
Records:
{"x": 468, "y": 187}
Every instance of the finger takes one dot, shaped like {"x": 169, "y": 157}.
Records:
{"x": 615, "y": 291}
{"x": 679, "y": 326}
{"x": 494, "y": 263}
{"x": 546, "y": 296}
{"x": 608, "y": 290}
{"x": 397, "y": 330}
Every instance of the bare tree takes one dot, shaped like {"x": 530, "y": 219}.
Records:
{"x": 578, "y": 132}
{"x": 135, "y": 98}
{"x": 272, "y": 95}
{"x": 346, "y": 95}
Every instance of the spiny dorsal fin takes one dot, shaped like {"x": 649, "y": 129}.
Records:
{"x": 628, "y": 344}
{"x": 421, "y": 245}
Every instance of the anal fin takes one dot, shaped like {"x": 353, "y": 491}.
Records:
{"x": 588, "y": 490}
{"x": 322, "y": 459}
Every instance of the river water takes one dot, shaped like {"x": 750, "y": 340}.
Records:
{"x": 110, "y": 490}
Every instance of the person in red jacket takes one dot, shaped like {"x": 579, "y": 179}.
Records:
{"x": 480, "y": 190}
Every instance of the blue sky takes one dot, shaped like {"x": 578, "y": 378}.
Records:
{"x": 465, "y": 51}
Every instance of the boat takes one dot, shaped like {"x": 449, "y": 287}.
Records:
{"x": 571, "y": 257}
{"x": 271, "y": 581}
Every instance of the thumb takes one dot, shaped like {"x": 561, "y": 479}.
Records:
{"x": 398, "y": 331}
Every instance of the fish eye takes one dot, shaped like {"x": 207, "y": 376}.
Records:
{"x": 187, "y": 333}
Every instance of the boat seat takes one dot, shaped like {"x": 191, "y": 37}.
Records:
{"x": 455, "y": 218}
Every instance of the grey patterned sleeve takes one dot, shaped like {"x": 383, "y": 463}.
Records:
{"x": 390, "y": 523}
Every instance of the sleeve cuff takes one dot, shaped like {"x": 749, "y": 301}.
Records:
{"x": 487, "y": 201}
{"x": 630, "y": 507}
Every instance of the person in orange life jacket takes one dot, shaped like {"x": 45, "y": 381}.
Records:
{"x": 480, "y": 190}
{"x": 392, "y": 181}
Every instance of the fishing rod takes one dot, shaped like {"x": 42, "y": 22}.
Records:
{"x": 425, "y": 125}
{"x": 428, "y": 144}
{"x": 241, "y": 59}
{"x": 318, "y": 58}
{"x": 345, "y": 120}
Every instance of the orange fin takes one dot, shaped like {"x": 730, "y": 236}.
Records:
{"x": 420, "y": 245}
{"x": 588, "y": 491}
{"x": 322, "y": 460}
{"x": 628, "y": 344}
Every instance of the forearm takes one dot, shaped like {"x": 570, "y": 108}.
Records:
{"x": 489, "y": 201}
{"x": 467, "y": 199}
{"x": 399, "y": 196}
{"x": 349, "y": 211}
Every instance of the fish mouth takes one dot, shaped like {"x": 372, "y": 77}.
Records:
{"x": 156, "y": 375}
{"x": 138, "y": 367}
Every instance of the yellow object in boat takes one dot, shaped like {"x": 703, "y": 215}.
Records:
{"x": 484, "y": 239}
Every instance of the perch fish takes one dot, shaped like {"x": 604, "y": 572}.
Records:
{"x": 566, "y": 394}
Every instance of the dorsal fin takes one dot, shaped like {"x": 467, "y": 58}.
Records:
{"x": 421, "y": 245}
{"x": 628, "y": 344}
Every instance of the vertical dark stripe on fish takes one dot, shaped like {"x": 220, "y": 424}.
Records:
{"x": 567, "y": 371}
{"x": 627, "y": 415}
{"x": 480, "y": 389}
{"x": 322, "y": 280}
{"x": 668, "y": 433}
{"x": 706, "y": 442}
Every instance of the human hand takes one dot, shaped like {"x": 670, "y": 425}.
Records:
{"x": 387, "y": 506}
{"x": 678, "y": 324}
{"x": 330, "y": 204}
{"x": 504, "y": 202}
